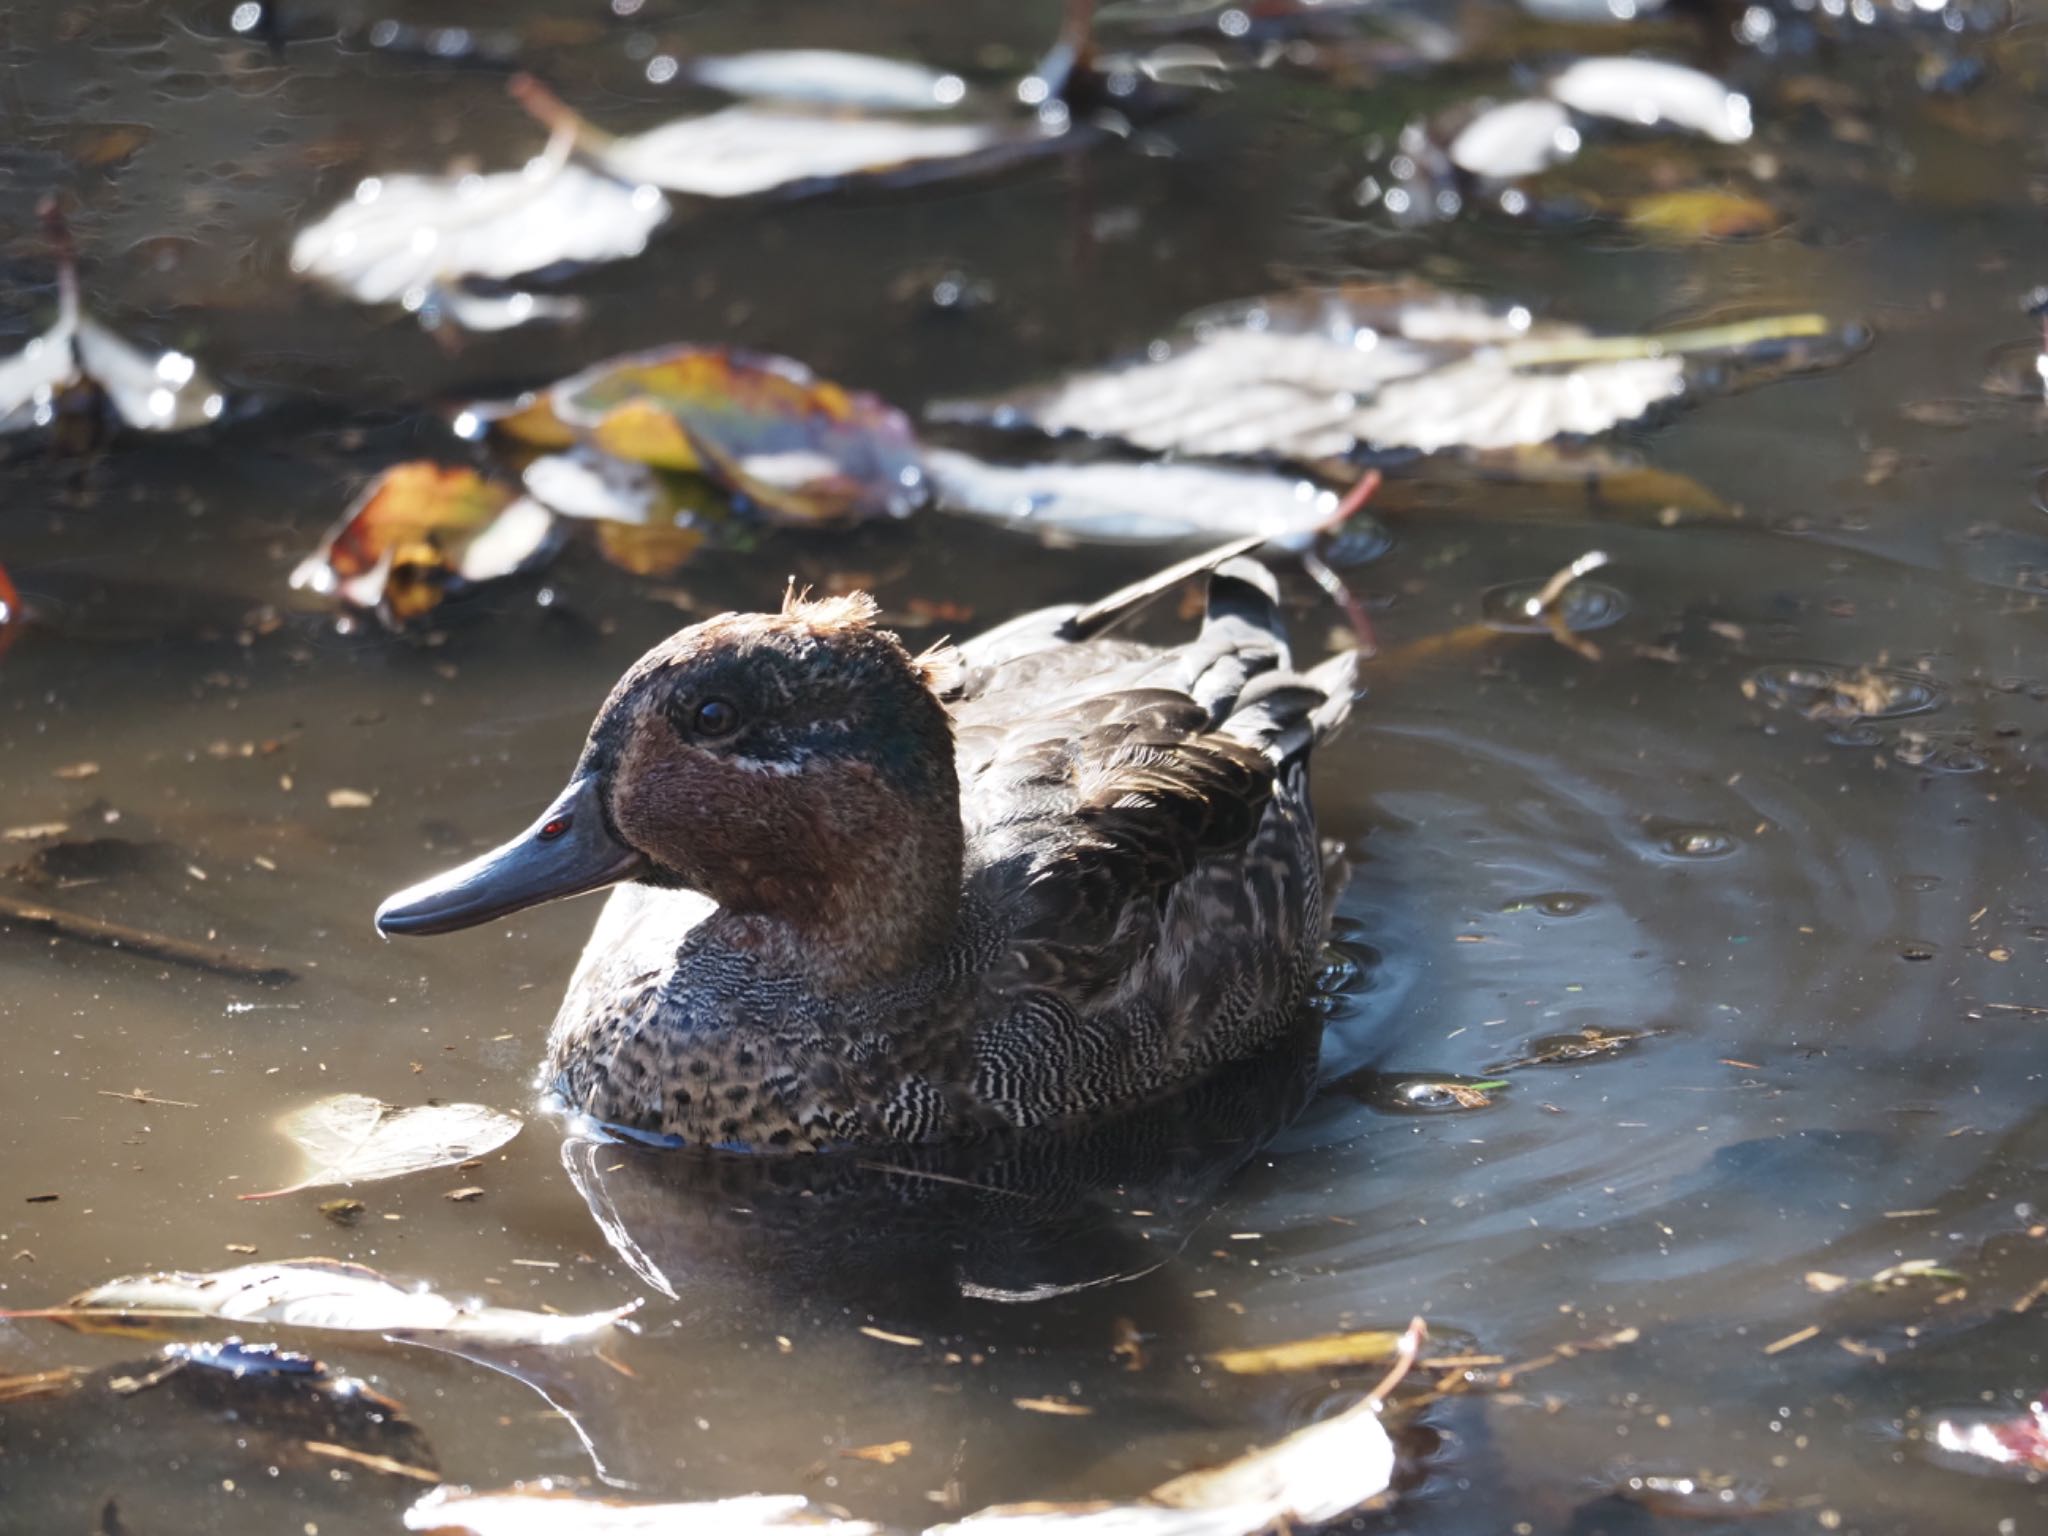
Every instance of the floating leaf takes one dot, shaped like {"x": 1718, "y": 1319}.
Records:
{"x": 796, "y": 446}
{"x": 1651, "y": 94}
{"x": 352, "y": 1138}
{"x": 421, "y": 531}
{"x": 647, "y": 522}
{"x": 413, "y": 240}
{"x": 1703, "y": 213}
{"x": 1314, "y": 1475}
{"x": 150, "y": 391}
{"x": 320, "y": 1294}
{"x": 1517, "y": 138}
{"x": 1132, "y": 503}
{"x": 1329, "y": 1351}
{"x": 747, "y": 149}
{"x": 2017, "y": 1445}
{"x": 1322, "y": 372}
{"x": 827, "y": 77}
{"x": 542, "y": 1509}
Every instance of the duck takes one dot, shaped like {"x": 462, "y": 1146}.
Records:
{"x": 865, "y": 897}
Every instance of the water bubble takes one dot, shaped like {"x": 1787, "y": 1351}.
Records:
{"x": 1553, "y": 903}
{"x": 1821, "y": 690}
{"x": 1685, "y": 840}
{"x": 1584, "y": 605}
{"x": 1938, "y": 754}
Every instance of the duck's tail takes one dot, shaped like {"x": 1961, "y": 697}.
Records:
{"x": 1247, "y": 679}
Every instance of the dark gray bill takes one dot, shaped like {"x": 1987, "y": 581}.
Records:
{"x": 565, "y": 853}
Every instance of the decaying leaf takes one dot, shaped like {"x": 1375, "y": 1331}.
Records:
{"x": 751, "y": 148}
{"x": 1329, "y": 1351}
{"x": 352, "y": 1138}
{"x": 1321, "y": 373}
{"x": 543, "y": 1509}
{"x": 2016, "y": 1445}
{"x": 421, "y": 531}
{"x": 1123, "y": 502}
{"x": 317, "y": 1294}
{"x": 153, "y": 392}
{"x": 414, "y": 240}
{"x": 766, "y": 428}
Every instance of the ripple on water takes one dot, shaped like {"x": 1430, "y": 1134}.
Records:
{"x": 1584, "y": 605}
{"x": 1823, "y": 690}
{"x": 1690, "y": 840}
{"x": 1552, "y": 904}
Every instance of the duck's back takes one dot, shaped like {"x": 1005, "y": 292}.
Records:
{"x": 1141, "y": 841}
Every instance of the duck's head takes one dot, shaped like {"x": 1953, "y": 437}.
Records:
{"x": 795, "y": 767}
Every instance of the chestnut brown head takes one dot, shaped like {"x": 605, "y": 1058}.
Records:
{"x": 795, "y": 767}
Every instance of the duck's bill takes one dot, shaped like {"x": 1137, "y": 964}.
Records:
{"x": 565, "y": 853}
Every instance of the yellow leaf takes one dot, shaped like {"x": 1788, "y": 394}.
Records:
{"x": 1374, "y": 1346}
{"x": 1702, "y": 214}
{"x": 642, "y": 431}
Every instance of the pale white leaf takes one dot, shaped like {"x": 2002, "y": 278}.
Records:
{"x": 1516, "y": 138}
{"x": 1105, "y": 1520}
{"x": 517, "y": 537}
{"x": 584, "y": 482}
{"x": 745, "y": 149}
{"x": 31, "y": 379}
{"x": 1325, "y": 372}
{"x": 352, "y": 1138}
{"x": 1133, "y": 503}
{"x": 826, "y": 77}
{"x": 154, "y": 391}
{"x": 1313, "y": 1476}
{"x": 541, "y": 1509}
{"x": 1651, "y": 94}
{"x": 399, "y": 239}
{"x": 1593, "y": 12}
{"x": 1485, "y": 403}
{"x": 325, "y": 1294}
{"x": 498, "y": 311}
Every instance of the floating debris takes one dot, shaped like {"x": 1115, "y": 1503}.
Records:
{"x": 352, "y": 1138}
{"x": 324, "y": 1295}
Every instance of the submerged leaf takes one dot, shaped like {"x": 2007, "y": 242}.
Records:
{"x": 420, "y": 531}
{"x": 320, "y": 1294}
{"x": 1323, "y": 372}
{"x": 1134, "y": 503}
{"x": 1703, "y": 213}
{"x": 796, "y": 446}
{"x": 412, "y": 239}
{"x": 352, "y": 1138}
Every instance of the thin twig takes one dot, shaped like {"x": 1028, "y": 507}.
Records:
{"x": 154, "y": 946}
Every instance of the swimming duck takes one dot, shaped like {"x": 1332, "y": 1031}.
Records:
{"x": 870, "y": 897}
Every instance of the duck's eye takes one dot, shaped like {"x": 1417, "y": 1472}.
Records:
{"x": 715, "y": 717}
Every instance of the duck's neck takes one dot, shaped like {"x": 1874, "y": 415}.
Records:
{"x": 872, "y": 903}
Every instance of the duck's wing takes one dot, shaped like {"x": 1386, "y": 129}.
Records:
{"x": 1098, "y": 774}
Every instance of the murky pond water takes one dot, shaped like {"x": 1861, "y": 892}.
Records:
{"x": 1765, "y": 971}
